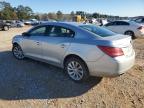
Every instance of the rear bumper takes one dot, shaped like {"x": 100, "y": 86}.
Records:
{"x": 108, "y": 67}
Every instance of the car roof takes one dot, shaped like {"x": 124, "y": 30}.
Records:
{"x": 64, "y": 23}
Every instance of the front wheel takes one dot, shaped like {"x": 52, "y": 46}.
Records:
{"x": 17, "y": 52}
{"x": 6, "y": 28}
{"x": 76, "y": 69}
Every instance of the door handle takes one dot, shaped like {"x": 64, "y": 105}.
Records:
{"x": 38, "y": 43}
{"x": 63, "y": 45}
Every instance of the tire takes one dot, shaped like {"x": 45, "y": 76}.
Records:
{"x": 130, "y": 33}
{"x": 18, "y": 25}
{"x": 6, "y": 28}
{"x": 76, "y": 69}
{"x": 17, "y": 52}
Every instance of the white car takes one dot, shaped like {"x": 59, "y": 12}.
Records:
{"x": 126, "y": 27}
{"x": 19, "y": 24}
{"x": 32, "y": 22}
{"x": 139, "y": 20}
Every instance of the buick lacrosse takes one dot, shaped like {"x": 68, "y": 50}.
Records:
{"x": 82, "y": 50}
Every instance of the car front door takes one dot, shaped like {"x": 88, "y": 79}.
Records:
{"x": 122, "y": 27}
{"x": 118, "y": 26}
{"x": 56, "y": 43}
{"x": 32, "y": 44}
{"x": 111, "y": 26}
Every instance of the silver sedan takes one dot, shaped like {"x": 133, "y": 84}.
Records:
{"x": 82, "y": 50}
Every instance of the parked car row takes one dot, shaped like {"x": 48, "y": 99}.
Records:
{"x": 134, "y": 28}
{"x": 6, "y": 25}
{"x": 35, "y": 22}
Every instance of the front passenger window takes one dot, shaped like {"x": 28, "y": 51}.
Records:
{"x": 40, "y": 31}
{"x": 110, "y": 24}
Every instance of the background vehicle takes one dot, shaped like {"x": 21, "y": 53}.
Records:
{"x": 126, "y": 27}
{"x": 16, "y": 24}
{"x": 32, "y": 22}
{"x": 81, "y": 49}
{"x": 4, "y": 26}
{"x": 46, "y": 21}
{"x": 140, "y": 20}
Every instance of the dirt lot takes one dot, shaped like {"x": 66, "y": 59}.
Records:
{"x": 32, "y": 84}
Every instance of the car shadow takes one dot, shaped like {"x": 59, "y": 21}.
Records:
{"x": 29, "y": 79}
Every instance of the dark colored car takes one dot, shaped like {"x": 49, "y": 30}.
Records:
{"x": 4, "y": 26}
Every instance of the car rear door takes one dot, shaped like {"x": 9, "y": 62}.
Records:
{"x": 56, "y": 43}
{"x": 32, "y": 45}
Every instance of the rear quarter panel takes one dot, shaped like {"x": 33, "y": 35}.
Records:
{"x": 85, "y": 50}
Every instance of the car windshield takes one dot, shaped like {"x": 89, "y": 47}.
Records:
{"x": 98, "y": 30}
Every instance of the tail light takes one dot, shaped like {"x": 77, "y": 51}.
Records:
{"x": 112, "y": 51}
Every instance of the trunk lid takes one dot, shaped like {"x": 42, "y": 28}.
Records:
{"x": 118, "y": 41}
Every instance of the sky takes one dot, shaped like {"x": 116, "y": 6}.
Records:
{"x": 111, "y": 7}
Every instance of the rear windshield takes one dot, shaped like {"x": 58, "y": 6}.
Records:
{"x": 98, "y": 30}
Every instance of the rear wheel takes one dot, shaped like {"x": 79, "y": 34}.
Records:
{"x": 6, "y": 28}
{"x": 76, "y": 69}
{"x": 130, "y": 33}
{"x": 17, "y": 52}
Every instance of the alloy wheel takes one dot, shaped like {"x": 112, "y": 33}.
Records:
{"x": 75, "y": 70}
{"x": 18, "y": 53}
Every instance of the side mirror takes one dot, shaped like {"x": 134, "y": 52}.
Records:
{"x": 25, "y": 34}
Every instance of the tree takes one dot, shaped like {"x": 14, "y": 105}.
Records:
{"x": 24, "y": 12}
{"x": 44, "y": 17}
{"x": 52, "y": 16}
{"x": 7, "y": 12}
{"x": 72, "y": 14}
{"x": 59, "y": 15}
{"x": 96, "y": 15}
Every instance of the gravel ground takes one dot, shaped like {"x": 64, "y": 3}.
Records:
{"x": 32, "y": 84}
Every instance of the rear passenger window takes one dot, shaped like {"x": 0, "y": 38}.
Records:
{"x": 58, "y": 31}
